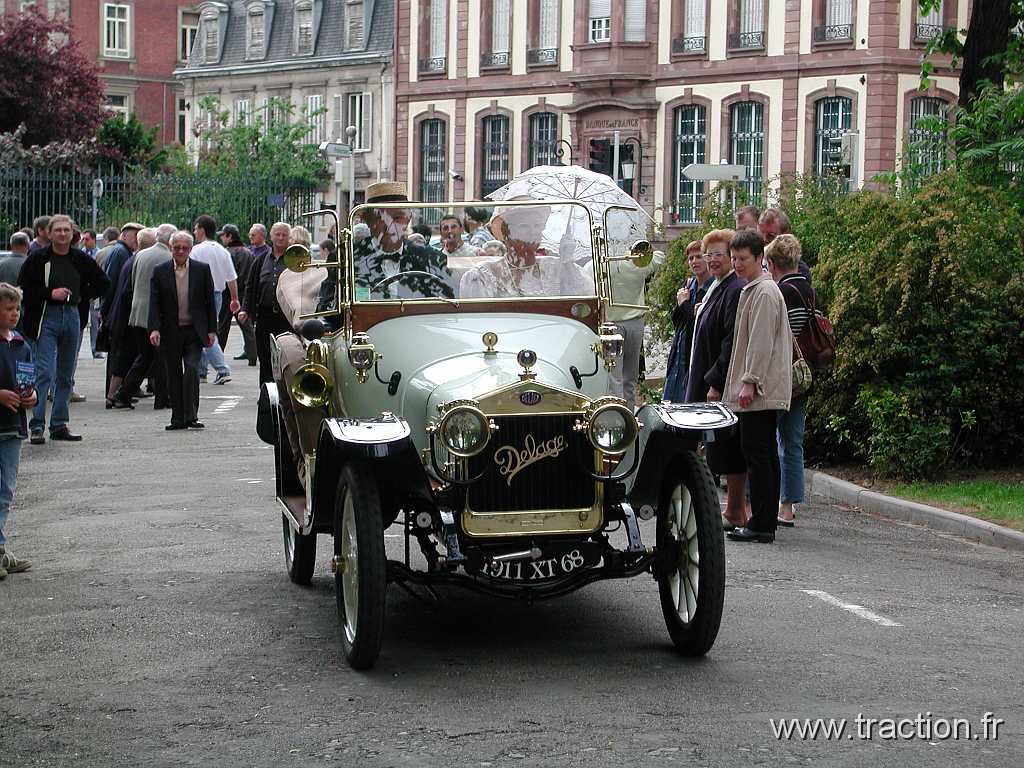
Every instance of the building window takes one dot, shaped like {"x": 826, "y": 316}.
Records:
{"x": 211, "y": 33}
{"x": 500, "y": 31}
{"x": 354, "y": 24}
{"x": 255, "y": 32}
{"x": 543, "y": 148}
{"x": 360, "y": 114}
{"x": 545, "y": 35}
{"x": 315, "y": 117}
{"x": 838, "y": 25}
{"x": 927, "y": 134}
{"x": 182, "y": 125}
{"x": 116, "y": 30}
{"x": 304, "y": 28}
{"x": 187, "y": 35}
{"x": 692, "y": 38}
{"x": 636, "y": 21}
{"x": 437, "y": 19}
{"x": 495, "y": 154}
{"x": 26, "y": 4}
{"x": 689, "y": 135}
{"x": 929, "y": 24}
{"x": 750, "y": 35}
{"x": 746, "y": 144}
{"x": 600, "y": 21}
{"x": 243, "y": 111}
{"x": 433, "y": 170}
{"x": 833, "y": 117}
{"x": 118, "y": 104}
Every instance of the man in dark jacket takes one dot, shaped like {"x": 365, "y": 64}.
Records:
{"x": 182, "y": 321}
{"x": 58, "y": 282}
{"x": 259, "y": 301}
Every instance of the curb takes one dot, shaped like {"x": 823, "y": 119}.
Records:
{"x": 834, "y": 489}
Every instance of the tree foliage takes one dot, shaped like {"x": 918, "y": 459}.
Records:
{"x": 126, "y": 142}
{"x": 45, "y": 81}
{"x": 274, "y": 143}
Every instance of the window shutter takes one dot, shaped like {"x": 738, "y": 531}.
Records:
{"x": 366, "y": 123}
{"x": 337, "y": 118}
{"x": 636, "y": 20}
{"x": 438, "y": 28}
{"x": 694, "y": 18}
{"x": 751, "y": 16}
{"x": 355, "y": 25}
{"x": 600, "y": 9}
{"x": 548, "y": 37}
{"x": 499, "y": 29}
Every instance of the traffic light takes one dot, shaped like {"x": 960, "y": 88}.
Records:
{"x": 601, "y": 156}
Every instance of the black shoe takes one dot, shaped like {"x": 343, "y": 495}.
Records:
{"x": 745, "y": 534}
{"x": 37, "y": 437}
{"x": 243, "y": 356}
{"x": 172, "y": 426}
{"x": 119, "y": 405}
{"x": 63, "y": 433}
{"x": 142, "y": 395}
{"x": 196, "y": 425}
{"x": 160, "y": 406}
{"x": 252, "y": 363}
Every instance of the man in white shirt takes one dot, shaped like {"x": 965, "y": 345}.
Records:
{"x": 217, "y": 257}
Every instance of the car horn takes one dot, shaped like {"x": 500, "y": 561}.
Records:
{"x": 312, "y": 384}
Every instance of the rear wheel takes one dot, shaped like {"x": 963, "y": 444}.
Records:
{"x": 691, "y": 576}
{"x": 360, "y": 574}
{"x": 299, "y": 553}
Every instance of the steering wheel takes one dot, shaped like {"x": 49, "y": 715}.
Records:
{"x": 409, "y": 273}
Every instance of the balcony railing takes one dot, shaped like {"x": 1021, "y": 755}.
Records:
{"x": 685, "y": 45}
{"x": 833, "y": 33}
{"x": 747, "y": 41}
{"x": 499, "y": 60}
{"x": 925, "y": 32}
{"x": 435, "y": 64}
{"x": 542, "y": 56}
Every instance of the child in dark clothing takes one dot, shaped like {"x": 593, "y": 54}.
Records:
{"x": 17, "y": 394}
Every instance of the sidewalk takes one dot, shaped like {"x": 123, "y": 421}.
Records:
{"x": 863, "y": 500}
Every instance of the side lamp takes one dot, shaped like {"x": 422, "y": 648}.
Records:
{"x": 362, "y": 355}
{"x": 608, "y": 345}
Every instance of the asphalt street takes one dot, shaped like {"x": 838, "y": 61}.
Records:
{"x": 158, "y": 627}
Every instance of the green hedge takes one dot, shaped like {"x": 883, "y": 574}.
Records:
{"x": 926, "y": 291}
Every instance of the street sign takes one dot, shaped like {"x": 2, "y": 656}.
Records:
{"x": 713, "y": 172}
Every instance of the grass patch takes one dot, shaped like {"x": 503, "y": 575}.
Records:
{"x": 995, "y": 500}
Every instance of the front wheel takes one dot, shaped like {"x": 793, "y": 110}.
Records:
{"x": 691, "y": 578}
{"x": 360, "y": 573}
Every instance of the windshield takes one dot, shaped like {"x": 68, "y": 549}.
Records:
{"x": 509, "y": 250}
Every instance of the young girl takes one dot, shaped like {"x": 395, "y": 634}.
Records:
{"x": 17, "y": 394}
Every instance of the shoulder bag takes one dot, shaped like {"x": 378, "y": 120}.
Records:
{"x": 802, "y": 376}
{"x": 817, "y": 340}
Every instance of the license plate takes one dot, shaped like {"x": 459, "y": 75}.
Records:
{"x": 553, "y": 564}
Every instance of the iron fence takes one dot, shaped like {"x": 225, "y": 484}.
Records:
{"x": 26, "y": 193}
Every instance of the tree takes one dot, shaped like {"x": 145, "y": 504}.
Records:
{"x": 45, "y": 81}
{"x": 991, "y": 50}
{"x": 127, "y": 142}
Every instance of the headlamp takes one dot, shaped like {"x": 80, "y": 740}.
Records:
{"x": 464, "y": 430}
{"x": 611, "y": 426}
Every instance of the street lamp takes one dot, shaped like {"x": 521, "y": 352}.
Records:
{"x": 634, "y": 169}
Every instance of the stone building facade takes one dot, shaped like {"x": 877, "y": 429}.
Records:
{"x": 332, "y": 57}
{"x": 136, "y": 44}
{"x": 489, "y": 88}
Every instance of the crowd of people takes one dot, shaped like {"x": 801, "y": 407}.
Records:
{"x": 159, "y": 303}
{"x": 737, "y": 320}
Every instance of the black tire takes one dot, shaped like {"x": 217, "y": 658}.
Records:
{"x": 693, "y": 627}
{"x": 359, "y": 537}
{"x": 299, "y": 553}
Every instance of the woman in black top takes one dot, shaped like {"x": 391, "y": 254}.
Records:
{"x": 709, "y": 364}
{"x": 783, "y": 256}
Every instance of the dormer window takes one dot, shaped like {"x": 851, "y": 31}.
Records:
{"x": 256, "y": 31}
{"x": 304, "y": 28}
{"x": 213, "y": 17}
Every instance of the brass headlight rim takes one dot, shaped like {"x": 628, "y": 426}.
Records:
{"x": 607, "y": 404}
{"x": 471, "y": 408}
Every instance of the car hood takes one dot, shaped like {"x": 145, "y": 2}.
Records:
{"x": 442, "y": 358}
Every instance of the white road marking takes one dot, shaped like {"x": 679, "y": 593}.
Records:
{"x": 858, "y": 610}
{"x": 230, "y": 401}
{"x": 221, "y": 397}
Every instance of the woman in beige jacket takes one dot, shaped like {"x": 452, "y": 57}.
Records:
{"x": 759, "y": 382}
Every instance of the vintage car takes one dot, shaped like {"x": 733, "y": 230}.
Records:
{"x": 467, "y": 405}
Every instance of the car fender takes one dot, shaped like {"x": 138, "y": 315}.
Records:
{"x": 385, "y": 444}
{"x": 266, "y": 413}
{"x": 670, "y": 429}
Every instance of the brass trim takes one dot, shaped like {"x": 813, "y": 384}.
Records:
{"x": 480, "y": 525}
{"x": 556, "y": 401}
